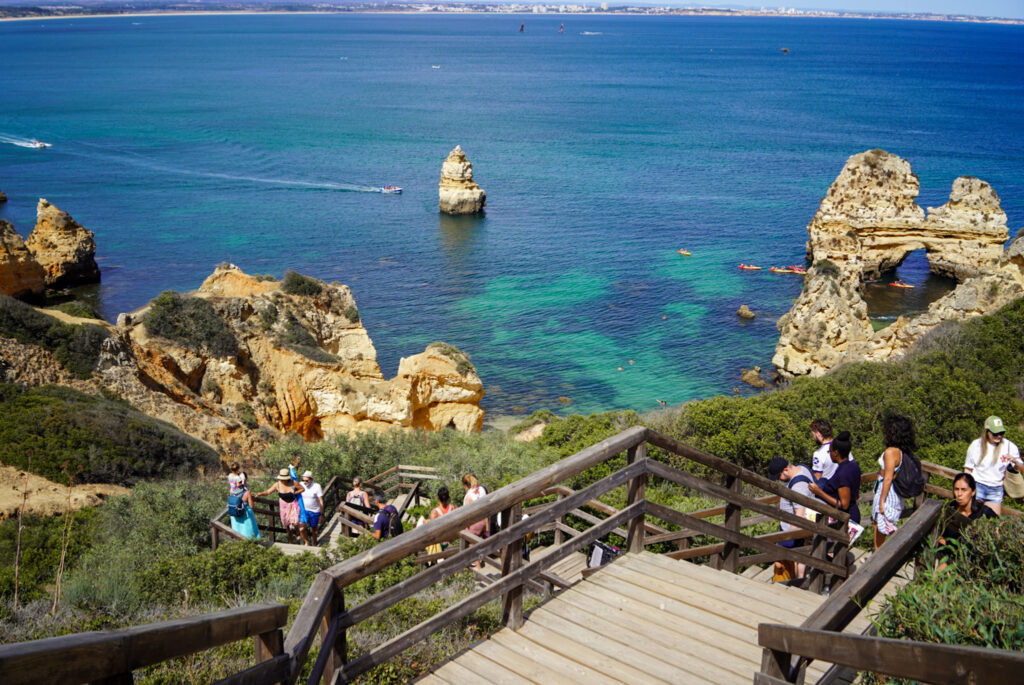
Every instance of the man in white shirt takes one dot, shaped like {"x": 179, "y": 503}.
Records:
{"x": 821, "y": 462}
{"x": 313, "y": 503}
{"x": 988, "y": 457}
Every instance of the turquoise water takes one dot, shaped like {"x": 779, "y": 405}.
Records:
{"x": 187, "y": 141}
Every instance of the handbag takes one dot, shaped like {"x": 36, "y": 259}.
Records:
{"x": 1013, "y": 485}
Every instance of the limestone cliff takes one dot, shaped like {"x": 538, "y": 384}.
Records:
{"x": 304, "y": 364}
{"x": 20, "y": 274}
{"x": 457, "y": 193}
{"x": 300, "y": 361}
{"x": 65, "y": 249}
{"x": 868, "y": 223}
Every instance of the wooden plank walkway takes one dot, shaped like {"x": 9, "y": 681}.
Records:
{"x": 643, "y": 618}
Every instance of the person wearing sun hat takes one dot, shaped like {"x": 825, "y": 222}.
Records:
{"x": 288, "y": 494}
{"x": 988, "y": 457}
{"x": 313, "y": 504}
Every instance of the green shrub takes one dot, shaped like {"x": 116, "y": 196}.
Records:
{"x": 245, "y": 414}
{"x": 351, "y": 313}
{"x": 236, "y": 571}
{"x": 296, "y": 284}
{"x": 41, "y": 541}
{"x": 191, "y": 322}
{"x": 827, "y": 268}
{"x": 978, "y": 600}
{"x": 103, "y": 441}
{"x": 296, "y": 338}
{"x": 462, "y": 364}
{"x": 268, "y": 316}
{"x": 79, "y": 309}
{"x": 77, "y": 347}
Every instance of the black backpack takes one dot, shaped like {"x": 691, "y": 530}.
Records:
{"x": 909, "y": 481}
{"x": 395, "y": 525}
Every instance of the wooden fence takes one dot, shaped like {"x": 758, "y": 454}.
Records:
{"x": 110, "y": 656}
{"x": 718, "y": 533}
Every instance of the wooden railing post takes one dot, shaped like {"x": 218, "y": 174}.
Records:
{"x": 728, "y": 560}
{"x": 334, "y": 640}
{"x": 511, "y": 561}
{"x": 637, "y": 490}
{"x": 268, "y": 645}
{"x": 559, "y": 522}
{"x": 214, "y": 537}
{"x": 777, "y": 664}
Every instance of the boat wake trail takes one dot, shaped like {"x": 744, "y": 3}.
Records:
{"x": 22, "y": 142}
{"x": 137, "y": 160}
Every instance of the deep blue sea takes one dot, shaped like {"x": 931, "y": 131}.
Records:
{"x": 186, "y": 141}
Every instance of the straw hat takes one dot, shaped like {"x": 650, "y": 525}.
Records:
{"x": 307, "y": 474}
{"x": 284, "y": 474}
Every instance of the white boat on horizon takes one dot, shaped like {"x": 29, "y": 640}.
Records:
{"x": 391, "y": 190}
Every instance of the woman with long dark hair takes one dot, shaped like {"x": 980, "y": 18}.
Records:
{"x": 887, "y": 506}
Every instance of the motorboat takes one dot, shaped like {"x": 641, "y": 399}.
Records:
{"x": 391, "y": 190}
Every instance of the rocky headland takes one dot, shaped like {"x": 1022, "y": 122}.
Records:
{"x": 244, "y": 360}
{"x": 59, "y": 253}
{"x": 869, "y": 222}
{"x": 457, "y": 193}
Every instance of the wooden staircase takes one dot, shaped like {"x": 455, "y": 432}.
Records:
{"x": 644, "y": 618}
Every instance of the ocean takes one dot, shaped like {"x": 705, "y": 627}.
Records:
{"x": 186, "y": 141}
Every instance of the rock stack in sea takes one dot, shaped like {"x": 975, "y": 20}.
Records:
{"x": 20, "y": 274}
{"x": 457, "y": 193}
{"x": 870, "y": 222}
{"x": 63, "y": 247}
{"x": 3, "y": 197}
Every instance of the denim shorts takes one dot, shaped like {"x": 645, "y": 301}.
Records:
{"x": 987, "y": 493}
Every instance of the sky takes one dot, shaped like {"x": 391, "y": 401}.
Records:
{"x": 1013, "y": 9}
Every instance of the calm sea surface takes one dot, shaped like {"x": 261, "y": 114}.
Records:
{"x": 187, "y": 141}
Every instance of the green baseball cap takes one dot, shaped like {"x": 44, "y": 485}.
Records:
{"x": 994, "y": 424}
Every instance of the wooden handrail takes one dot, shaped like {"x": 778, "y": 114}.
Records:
{"x": 847, "y": 601}
{"x": 87, "y": 657}
{"x": 730, "y": 469}
{"x": 922, "y": 661}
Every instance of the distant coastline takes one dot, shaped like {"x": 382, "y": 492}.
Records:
{"x": 23, "y": 13}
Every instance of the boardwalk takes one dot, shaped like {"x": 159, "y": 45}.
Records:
{"x": 642, "y": 619}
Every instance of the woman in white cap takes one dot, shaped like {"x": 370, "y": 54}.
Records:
{"x": 988, "y": 457}
{"x": 288, "y": 492}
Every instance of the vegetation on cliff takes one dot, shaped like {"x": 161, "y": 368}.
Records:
{"x": 77, "y": 347}
{"x": 192, "y": 322}
{"x": 58, "y": 432}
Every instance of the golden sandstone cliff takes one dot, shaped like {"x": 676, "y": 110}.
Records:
{"x": 245, "y": 359}
{"x": 58, "y": 253}
{"x": 304, "y": 364}
{"x": 63, "y": 247}
{"x": 869, "y": 222}
{"x": 457, "y": 193}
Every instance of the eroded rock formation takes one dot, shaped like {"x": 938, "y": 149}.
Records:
{"x": 457, "y": 193}
{"x": 304, "y": 364}
{"x": 20, "y": 274}
{"x": 870, "y": 222}
{"x": 65, "y": 249}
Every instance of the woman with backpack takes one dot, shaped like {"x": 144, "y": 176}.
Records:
{"x": 887, "y": 506}
{"x": 988, "y": 458}
{"x": 243, "y": 520}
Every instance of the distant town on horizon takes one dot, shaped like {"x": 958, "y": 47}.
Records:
{"x": 14, "y": 9}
